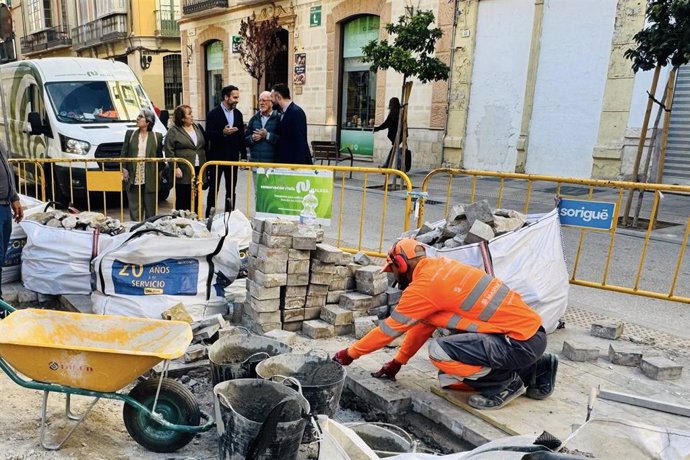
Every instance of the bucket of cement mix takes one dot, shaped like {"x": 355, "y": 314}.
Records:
{"x": 322, "y": 379}
{"x": 236, "y": 356}
{"x": 259, "y": 417}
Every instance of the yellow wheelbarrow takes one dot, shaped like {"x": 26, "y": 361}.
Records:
{"x": 95, "y": 356}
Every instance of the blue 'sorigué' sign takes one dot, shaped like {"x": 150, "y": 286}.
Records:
{"x": 588, "y": 214}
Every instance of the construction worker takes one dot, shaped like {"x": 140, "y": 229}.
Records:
{"x": 499, "y": 348}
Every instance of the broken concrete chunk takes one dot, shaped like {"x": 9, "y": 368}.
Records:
{"x": 362, "y": 259}
{"x": 425, "y": 228}
{"x": 479, "y": 231}
{"x": 177, "y": 313}
{"x": 429, "y": 237}
{"x": 479, "y": 211}
{"x": 508, "y": 224}
{"x": 456, "y": 213}
{"x": 195, "y": 353}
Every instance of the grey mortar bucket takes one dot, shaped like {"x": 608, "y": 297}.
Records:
{"x": 259, "y": 419}
{"x": 384, "y": 439}
{"x": 236, "y": 356}
{"x": 321, "y": 380}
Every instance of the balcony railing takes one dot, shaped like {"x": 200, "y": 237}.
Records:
{"x": 109, "y": 7}
{"x": 46, "y": 39}
{"x": 166, "y": 22}
{"x": 197, "y": 6}
{"x": 104, "y": 30}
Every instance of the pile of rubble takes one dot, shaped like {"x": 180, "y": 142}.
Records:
{"x": 298, "y": 283}
{"x": 467, "y": 224}
{"x": 81, "y": 221}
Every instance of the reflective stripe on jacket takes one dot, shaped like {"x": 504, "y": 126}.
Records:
{"x": 448, "y": 294}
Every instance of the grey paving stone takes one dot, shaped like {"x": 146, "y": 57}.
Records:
{"x": 336, "y": 316}
{"x": 660, "y": 368}
{"x": 327, "y": 253}
{"x": 625, "y": 355}
{"x": 286, "y": 337}
{"x": 611, "y": 330}
{"x": 384, "y": 395}
{"x": 317, "y": 329}
{"x": 581, "y": 352}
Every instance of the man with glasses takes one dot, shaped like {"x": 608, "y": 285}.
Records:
{"x": 261, "y": 136}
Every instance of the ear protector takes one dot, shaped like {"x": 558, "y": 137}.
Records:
{"x": 399, "y": 260}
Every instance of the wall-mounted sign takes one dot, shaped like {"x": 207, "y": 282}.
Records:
{"x": 236, "y": 40}
{"x": 300, "y": 76}
{"x": 597, "y": 215}
{"x": 315, "y": 16}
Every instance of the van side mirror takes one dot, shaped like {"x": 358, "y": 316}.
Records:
{"x": 37, "y": 126}
{"x": 165, "y": 117}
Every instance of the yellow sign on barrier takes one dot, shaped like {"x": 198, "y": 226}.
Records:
{"x": 104, "y": 181}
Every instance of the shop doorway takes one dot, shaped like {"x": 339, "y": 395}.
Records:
{"x": 213, "y": 54}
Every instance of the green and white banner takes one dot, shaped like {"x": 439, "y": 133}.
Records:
{"x": 302, "y": 195}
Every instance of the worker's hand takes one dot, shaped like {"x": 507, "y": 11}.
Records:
{"x": 388, "y": 370}
{"x": 17, "y": 211}
{"x": 343, "y": 357}
{"x": 178, "y": 173}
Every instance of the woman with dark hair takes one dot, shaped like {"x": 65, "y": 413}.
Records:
{"x": 185, "y": 140}
{"x": 391, "y": 123}
{"x": 141, "y": 181}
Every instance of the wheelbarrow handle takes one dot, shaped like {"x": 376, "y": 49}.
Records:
{"x": 7, "y": 307}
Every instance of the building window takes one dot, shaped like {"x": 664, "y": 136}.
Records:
{"x": 214, "y": 73}
{"x": 358, "y": 90}
{"x": 172, "y": 80}
{"x": 37, "y": 15}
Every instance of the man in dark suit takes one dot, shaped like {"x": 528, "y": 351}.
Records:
{"x": 225, "y": 131}
{"x": 294, "y": 147}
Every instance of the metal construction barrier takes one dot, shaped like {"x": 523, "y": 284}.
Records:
{"x": 369, "y": 209}
{"x": 97, "y": 184}
{"x": 645, "y": 259}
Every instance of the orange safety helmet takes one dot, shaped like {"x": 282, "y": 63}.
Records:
{"x": 400, "y": 255}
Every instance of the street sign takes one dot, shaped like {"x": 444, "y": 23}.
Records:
{"x": 315, "y": 16}
{"x": 597, "y": 215}
{"x": 236, "y": 40}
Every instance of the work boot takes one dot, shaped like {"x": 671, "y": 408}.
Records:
{"x": 545, "y": 382}
{"x": 497, "y": 400}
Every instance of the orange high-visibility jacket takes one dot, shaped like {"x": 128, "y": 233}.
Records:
{"x": 448, "y": 294}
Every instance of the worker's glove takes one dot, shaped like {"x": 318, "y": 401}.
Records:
{"x": 342, "y": 357}
{"x": 388, "y": 370}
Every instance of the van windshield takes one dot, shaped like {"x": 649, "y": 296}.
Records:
{"x": 96, "y": 101}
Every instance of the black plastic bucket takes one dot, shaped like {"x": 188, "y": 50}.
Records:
{"x": 322, "y": 379}
{"x": 242, "y": 408}
{"x": 236, "y": 356}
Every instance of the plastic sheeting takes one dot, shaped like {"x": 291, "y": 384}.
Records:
{"x": 530, "y": 261}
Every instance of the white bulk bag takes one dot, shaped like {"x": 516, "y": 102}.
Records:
{"x": 529, "y": 260}
{"x": 11, "y": 268}
{"x": 56, "y": 260}
{"x": 239, "y": 230}
{"x": 150, "y": 272}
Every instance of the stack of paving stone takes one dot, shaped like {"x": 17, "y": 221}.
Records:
{"x": 623, "y": 354}
{"x": 297, "y": 283}
{"x": 468, "y": 223}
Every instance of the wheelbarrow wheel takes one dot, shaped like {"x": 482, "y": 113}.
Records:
{"x": 175, "y": 403}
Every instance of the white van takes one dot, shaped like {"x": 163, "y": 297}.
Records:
{"x": 77, "y": 108}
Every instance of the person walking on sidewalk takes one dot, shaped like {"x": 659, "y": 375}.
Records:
{"x": 10, "y": 208}
{"x": 499, "y": 350}
{"x": 391, "y": 124}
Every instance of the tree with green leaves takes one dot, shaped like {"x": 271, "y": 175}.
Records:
{"x": 411, "y": 54}
{"x": 665, "y": 40}
{"x": 259, "y": 46}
